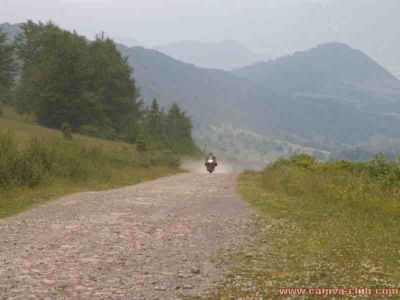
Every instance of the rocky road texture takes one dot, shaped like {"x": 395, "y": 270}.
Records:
{"x": 149, "y": 241}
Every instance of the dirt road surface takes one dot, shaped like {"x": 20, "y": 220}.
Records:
{"x": 149, "y": 241}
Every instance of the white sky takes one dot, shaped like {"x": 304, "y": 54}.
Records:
{"x": 269, "y": 27}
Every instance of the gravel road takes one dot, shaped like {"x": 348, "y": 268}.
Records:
{"x": 149, "y": 241}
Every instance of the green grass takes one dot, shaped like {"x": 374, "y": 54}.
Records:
{"x": 37, "y": 164}
{"x": 321, "y": 226}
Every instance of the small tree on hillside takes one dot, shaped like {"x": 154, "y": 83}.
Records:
{"x": 154, "y": 119}
{"x": 66, "y": 131}
{"x": 141, "y": 147}
{"x": 179, "y": 126}
{"x": 141, "y": 144}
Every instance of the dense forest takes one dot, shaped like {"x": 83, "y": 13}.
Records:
{"x": 88, "y": 86}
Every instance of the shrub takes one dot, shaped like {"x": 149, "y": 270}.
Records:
{"x": 385, "y": 170}
{"x": 303, "y": 161}
{"x": 9, "y": 157}
{"x": 66, "y": 130}
{"x": 29, "y": 172}
{"x": 18, "y": 167}
{"x": 141, "y": 144}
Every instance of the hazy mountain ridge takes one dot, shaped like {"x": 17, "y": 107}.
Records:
{"x": 330, "y": 93}
{"x": 210, "y": 95}
{"x": 225, "y": 55}
{"x": 320, "y": 68}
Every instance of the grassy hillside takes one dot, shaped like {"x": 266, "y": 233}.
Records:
{"x": 323, "y": 225}
{"x": 37, "y": 164}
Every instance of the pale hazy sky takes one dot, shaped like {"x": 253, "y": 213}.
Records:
{"x": 154, "y": 21}
{"x": 269, "y": 27}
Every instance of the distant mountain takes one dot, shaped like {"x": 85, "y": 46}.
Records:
{"x": 329, "y": 95}
{"x": 328, "y": 67}
{"x": 225, "y": 55}
{"x": 210, "y": 95}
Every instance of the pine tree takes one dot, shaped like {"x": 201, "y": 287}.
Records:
{"x": 112, "y": 86}
{"x": 67, "y": 78}
{"x": 154, "y": 120}
{"x": 179, "y": 126}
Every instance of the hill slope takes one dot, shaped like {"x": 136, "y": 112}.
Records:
{"x": 331, "y": 94}
{"x": 210, "y": 95}
{"x": 329, "y": 67}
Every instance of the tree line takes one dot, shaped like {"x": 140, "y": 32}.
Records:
{"x": 62, "y": 77}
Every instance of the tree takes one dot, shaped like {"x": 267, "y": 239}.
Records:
{"x": 179, "y": 126}
{"x": 66, "y": 131}
{"x": 113, "y": 87}
{"x": 54, "y": 75}
{"x": 179, "y": 131}
{"x": 7, "y": 68}
{"x": 66, "y": 78}
{"x": 154, "y": 120}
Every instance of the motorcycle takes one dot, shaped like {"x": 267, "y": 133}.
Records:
{"x": 210, "y": 165}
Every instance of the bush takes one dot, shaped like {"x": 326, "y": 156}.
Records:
{"x": 66, "y": 130}
{"x": 384, "y": 170}
{"x": 303, "y": 161}
{"x": 9, "y": 158}
{"x": 141, "y": 144}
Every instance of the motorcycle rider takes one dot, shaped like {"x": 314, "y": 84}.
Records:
{"x": 212, "y": 158}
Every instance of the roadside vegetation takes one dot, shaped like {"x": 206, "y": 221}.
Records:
{"x": 334, "y": 224}
{"x": 38, "y": 164}
{"x": 71, "y": 119}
